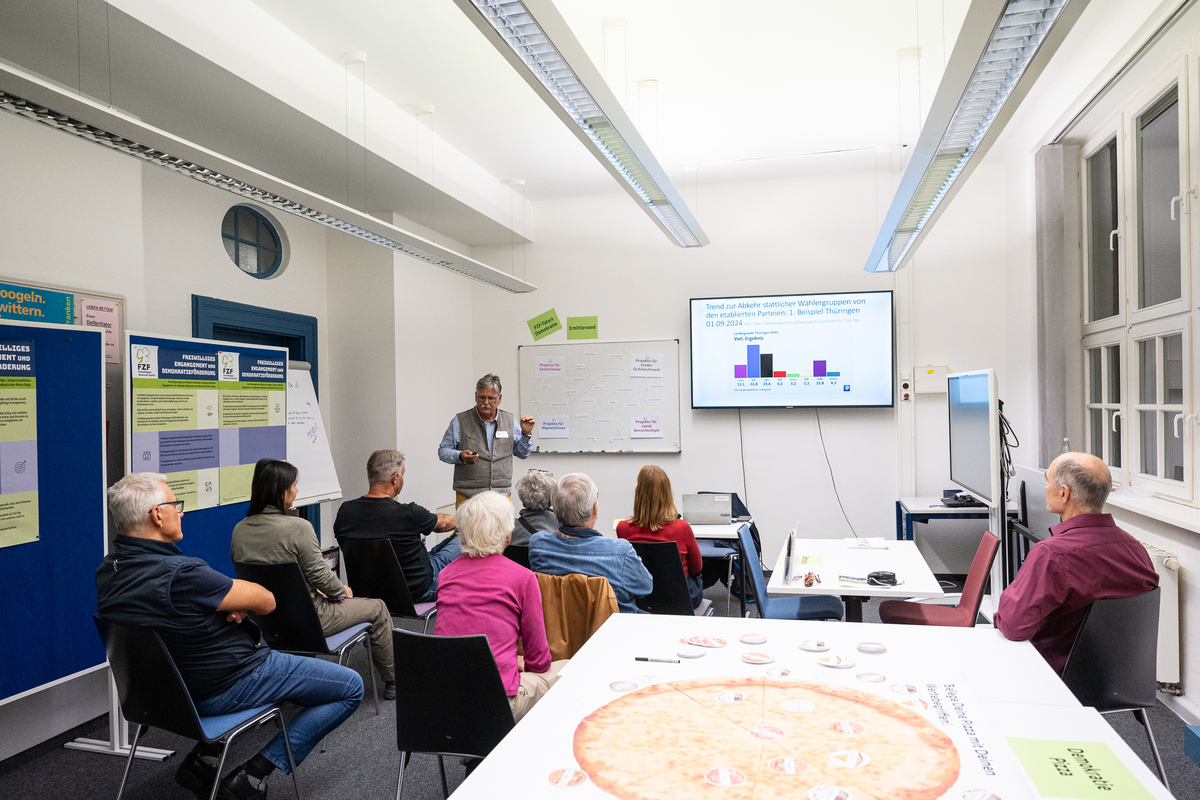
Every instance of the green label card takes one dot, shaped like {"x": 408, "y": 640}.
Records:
{"x": 1083, "y": 770}
{"x": 583, "y": 328}
{"x": 809, "y": 561}
{"x": 543, "y": 325}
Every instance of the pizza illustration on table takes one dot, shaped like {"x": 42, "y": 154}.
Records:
{"x": 763, "y": 738}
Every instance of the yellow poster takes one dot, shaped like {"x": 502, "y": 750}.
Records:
{"x": 18, "y": 444}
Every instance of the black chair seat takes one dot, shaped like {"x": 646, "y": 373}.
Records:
{"x": 670, "y": 594}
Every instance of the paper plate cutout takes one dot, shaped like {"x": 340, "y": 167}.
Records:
{"x": 725, "y": 776}
{"x": 706, "y": 641}
{"x": 567, "y": 777}
{"x": 837, "y": 662}
{"x": 757, "y": 658}
{"x": 872, "y": 647}
{"x": 753, "y": 638}
{"x": 814, "y": 645}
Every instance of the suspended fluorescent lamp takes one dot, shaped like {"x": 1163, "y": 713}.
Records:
{"x": 535, "y": 39}
{"x": 178, "y": 155}
{"x": 1001, "y": 42}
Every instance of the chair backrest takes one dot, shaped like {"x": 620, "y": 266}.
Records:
{"x": 753, "y": 568}
{"x": 293, "y": 625}
{"x": 981, "y": 565}
{"x": 373, "y": 571}
{"x": 149, "y": 686}
{"x": 518, "y": 553}
{"x": 452, "y": 699}
{"x": 574, "y": 607}
{"x": 670, "y": 594}
{"x": 1112, "y": 663}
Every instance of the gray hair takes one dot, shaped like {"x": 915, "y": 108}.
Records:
{"x": 131, "y": 498}
{"x": 489, "y": 381}
{"x": 574, "y": 497}
{"x": 484, "y": 524}
{"x": 536, "y": 490}
{"x": 382, "y": 464}
{"x": 1090, "y": 488}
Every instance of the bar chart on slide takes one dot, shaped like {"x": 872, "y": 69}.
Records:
{"x": 761, "y": 365}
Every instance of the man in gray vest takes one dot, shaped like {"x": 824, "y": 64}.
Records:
{"x": 481, "y": 442}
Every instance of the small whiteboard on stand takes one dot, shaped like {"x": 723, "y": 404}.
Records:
{"x": 307, "y": 445}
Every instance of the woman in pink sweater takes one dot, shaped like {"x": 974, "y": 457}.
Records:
{"x": 655, "y": 519}
{"x": 481, "y": 591}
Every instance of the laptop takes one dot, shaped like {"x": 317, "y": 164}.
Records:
{"x": 707, "y": 509}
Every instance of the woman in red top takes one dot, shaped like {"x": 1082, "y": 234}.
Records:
{"x": 655, "y": 519}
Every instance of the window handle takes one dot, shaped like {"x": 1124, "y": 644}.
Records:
{"x": 1111, "y": 240}
{"x": 1176, "y": 199}
{"x": 1186, "y": 419}
{"x": 1115, "y": 415}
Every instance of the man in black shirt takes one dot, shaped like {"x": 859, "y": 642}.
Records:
{"x": 377, "y": 515}
{"x": 201, "y": 616}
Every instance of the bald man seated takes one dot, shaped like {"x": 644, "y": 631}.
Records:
{"x": 1086, "y": 558}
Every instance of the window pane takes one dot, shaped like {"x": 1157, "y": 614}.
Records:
{"x": 1114, "y": 374}
{"x": 1159, "y": 264}
{"x": 1174, "y": 451}
{"x": 267, "y": 258}
{"x": 1102, "y": 217}
{"x": 1096, "y": 440}
{"x": 227, "y": 224}
{"x": 247, "y": 229}
{"x": 1147, "y": 387}
{"x": 1173, "y": 369}
{"x": 1094, "y": 376}
{"x": 231, "y": 248}
{"x": 248, "y": 259}
{"x": 1149, "y": 441}
{"x": 1114, "y": 440}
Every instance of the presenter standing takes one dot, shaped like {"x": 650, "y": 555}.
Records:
{"x": 481, "y": 442}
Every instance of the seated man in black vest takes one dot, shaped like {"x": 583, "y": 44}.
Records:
{"x": 481, "y": 441}
{"x": 377, "y": 515}
{"x": 201, "y": 615}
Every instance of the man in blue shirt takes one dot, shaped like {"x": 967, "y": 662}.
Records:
{"x": 578, "y": 547}
{"x": 481, "y": 441}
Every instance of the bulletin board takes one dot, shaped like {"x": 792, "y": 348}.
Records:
{"x": 602, "y": 397}
{"x": 52, "y": 505}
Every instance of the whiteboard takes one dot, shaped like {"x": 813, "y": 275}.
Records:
{"x": 307, "y": 445}
{"x": 602, "y": 397}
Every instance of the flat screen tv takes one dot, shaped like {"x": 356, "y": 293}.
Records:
{"x": 975, "y": 433}
{"x": 793, "y": 351}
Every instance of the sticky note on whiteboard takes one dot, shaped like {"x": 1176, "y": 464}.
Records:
{"x": 930, "y": 380}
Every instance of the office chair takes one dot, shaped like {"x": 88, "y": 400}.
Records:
{"x": 1113, "y": 661}
{"x": 902, "y": 612}
{"x": 293, "y": 627}
{"x": 452, "y": 701}
{"x": 670, "y": 594}
{"x": 374, "y": 571}
{"x": 798, "y": 607}
{"x": 153, "y": 694}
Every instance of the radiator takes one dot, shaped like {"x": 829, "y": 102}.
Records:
{"x": 1167, "y": 566}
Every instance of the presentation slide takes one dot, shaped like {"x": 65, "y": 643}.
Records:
{"x": 824, "y": 350}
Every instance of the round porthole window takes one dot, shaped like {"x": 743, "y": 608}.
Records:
{"x": 252, "y": 242}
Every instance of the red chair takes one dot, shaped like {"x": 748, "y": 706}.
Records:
{"x": 902, "y": 612}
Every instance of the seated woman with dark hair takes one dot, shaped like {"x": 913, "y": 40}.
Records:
{"x": 271, "y": 533}
{"x": 481, "y": 591}
{"x": 655, "y": 519}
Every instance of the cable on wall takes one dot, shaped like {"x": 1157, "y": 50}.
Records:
{"x": 832, "y": 479}
{"x": 742, "y": 450}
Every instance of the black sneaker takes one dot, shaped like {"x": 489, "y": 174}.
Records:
{"x": 196, "y": 775}
{"x": 389, "y": 690}
{"x": 238, "y": 786}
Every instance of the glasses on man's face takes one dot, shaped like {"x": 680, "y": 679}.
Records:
{"x": 177, "y": 503}
{"x": 489, "y": 399}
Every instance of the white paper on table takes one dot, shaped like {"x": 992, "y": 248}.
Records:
{"x": 872, "y": 543}
{"x": 554, "y": 426}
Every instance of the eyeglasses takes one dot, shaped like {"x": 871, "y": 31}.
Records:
{"x": 177, "y": 503}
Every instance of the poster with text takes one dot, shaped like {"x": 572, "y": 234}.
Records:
{"x": 18, "y": 443}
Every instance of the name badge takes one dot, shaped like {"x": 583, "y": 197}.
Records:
{"x": 501, "y": 434}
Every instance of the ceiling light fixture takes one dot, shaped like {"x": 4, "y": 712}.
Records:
{"x": 1000, "y": 43}
{"x": 183, "y": 157}
{"x": 536, "y": 40}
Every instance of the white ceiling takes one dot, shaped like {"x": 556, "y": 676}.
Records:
{"x": 737, "y": 81}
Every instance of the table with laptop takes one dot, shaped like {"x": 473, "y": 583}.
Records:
{"x": 675, "y": 706}
{"x": 854, "y": 569}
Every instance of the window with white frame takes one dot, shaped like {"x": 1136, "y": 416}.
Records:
{"x": 1139, "y": 217}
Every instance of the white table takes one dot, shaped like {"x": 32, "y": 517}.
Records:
{"x": 1004, "y": 688}
{"x": 924, "y": 509}
{"x": 835, "y": 560}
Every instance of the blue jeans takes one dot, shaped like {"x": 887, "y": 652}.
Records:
{"x": 441, "y": 555}
{"x": 329, "y": 694}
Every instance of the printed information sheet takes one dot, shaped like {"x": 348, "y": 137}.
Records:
{"x": 18, "y": 443}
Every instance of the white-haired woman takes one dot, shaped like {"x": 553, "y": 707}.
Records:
{"x": 484, "y": 592}
{"x": 535, "y": 491}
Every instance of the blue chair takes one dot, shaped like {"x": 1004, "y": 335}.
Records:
{"x": 798, "y": 607}
{"x": 153, "y": 694}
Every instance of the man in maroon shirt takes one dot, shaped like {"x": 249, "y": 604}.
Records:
{"x": 1087, "y": 558}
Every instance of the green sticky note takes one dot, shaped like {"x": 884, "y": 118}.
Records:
{"x": 1084, "y": 770}
{"x": 583, "y": 328}
{"x": 809, "y": 561}
{"x": 543, "y": 325}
